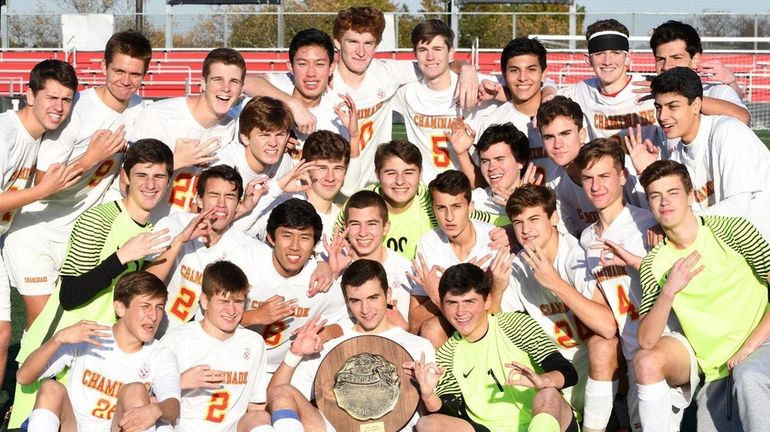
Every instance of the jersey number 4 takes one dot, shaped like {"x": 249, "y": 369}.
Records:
{"x": 218, "y": 406}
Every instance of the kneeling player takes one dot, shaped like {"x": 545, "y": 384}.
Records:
{"x": 111, "y": 368}
{"x": 224, "y": 375}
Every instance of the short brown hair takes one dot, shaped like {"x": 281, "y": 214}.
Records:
{"x": 559, "y": 106}
{"x": 326, "y": 145}
{"x": 365, "y": 199}
{"x": 452, "y": 182}
{"x": 224, "y": 277}
{"x": 399, "y": 148}
{"x": 427, "y": 30}
{"x": 138, "y": 283}
{"x": 606, "y": 25}
{"x": 530, "y": 195}
{"x": 664, "y": 168}
{"x": 226, "y": 56}
{"x": 360, "y": 20}
{"x": 266, "y": 114}
{"x": 599, "y": 148}
{"x": 130, "y": 43}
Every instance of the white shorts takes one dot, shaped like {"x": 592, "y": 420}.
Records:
{"x": 33, "y": 262}
{"x": 681, "y": 396}
{"x": 576, "y": 395}
{"x": 5, "y": 293}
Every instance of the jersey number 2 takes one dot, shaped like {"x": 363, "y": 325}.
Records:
{"x": 183, "y": 303}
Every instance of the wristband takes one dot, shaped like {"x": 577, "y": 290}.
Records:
{"x": 291, "y": 359}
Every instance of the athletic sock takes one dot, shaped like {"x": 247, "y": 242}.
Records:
{"x": 544, "y": 422}
{"x": 286, "y": 420}
{"x": 598, "y": 405}
{"x": 43, "y": 420}
{"x": 654, "y": 406}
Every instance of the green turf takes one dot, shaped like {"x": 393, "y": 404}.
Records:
{"x": 764, "y": 135}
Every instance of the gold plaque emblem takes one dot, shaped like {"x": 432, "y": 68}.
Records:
{"x": 367, "y": 386}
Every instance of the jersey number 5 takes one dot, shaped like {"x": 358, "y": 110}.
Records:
{"x": 218, "y": 406}
{"x": 440, "y": 153}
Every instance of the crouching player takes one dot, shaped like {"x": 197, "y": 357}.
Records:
{"x": 224, "y": 373}
{"x": 111, "y": 368}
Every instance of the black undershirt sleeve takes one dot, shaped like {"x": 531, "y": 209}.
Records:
{"x": 556, "y": 362}
{"x": 76, "y": 291}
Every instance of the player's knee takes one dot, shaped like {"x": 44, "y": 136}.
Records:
{"x": 602, "y": 357}
{"x": 547, "y": 400}
{"x": 134, "y": 394}
{"x": 648, "y": 366}
{"x": 428, "y": 423}
{"x": 51, "y": 391}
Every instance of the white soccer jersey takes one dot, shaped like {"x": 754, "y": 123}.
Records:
{"x": 374, "y": 109}
{"x": 508, "y": 113}
{"x": 427, "y": 115}
{"x": 435, "y": 248}
{"x": 306, "y": 371}
{"x": 726, "y": 159}
{"x": 242, "y": 359}
{"x": 606, "y": 116}
{"x": 234, "y": 155}
{"x": 184, "y": 285}
{"x": 257, "y": 262}
{"x": 560, "y": 323}
{"x": 18, "y": 151}
{"x": 55, "y": 215}
{"x": 482, "y": 200}
{"x": 97, "y": 373}
{"x": 576, "y": 211}
{"x": 723, "y": 92}
{"x": 169, "y": 120}
{"x": 620, "y": 285}
{"x": 326, "y": 118}
{"x": 401, "y": 288}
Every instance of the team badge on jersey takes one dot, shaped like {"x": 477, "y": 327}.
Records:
{"x": 247, "y": 353}
{"x": 144, "y": 371}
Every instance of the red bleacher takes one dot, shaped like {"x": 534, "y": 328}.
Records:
{"x": 177, "y": 72}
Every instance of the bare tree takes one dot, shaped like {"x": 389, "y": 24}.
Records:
{"x": 94, "y": 6}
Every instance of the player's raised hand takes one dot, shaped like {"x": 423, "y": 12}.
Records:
{"x": 502, "y": 237}
{"x": 199, "y": 226}
{"x": 542, "y": 268}
{"x": 682, "y": 272}
{"x": 613, "y": 254}
{"x": 426, "y": 374}
{"x": 139, "y": 419}
{"x": 427, "y": 278}
{"x": 715, "y": 71}
{"x": 142, "y": 245}
{"x": 480, "y": 261}
{"x": 83, "y": 331}
{"x": 192, "y": 152}
{"x": 321, "y": 279}
{"x": 521, "y": 375}
{"x": 460, "y": 136}
{"x": 103, "y": 144}
{"x": 654, "y": 236}
{"x": 254, "y": 191}
{"x": 298, "y": 178}
{"x": 467, "y": 90}
{"x": 642, "y": 151}
{"x": 492, "y": 90}
{"x": 303, "y": 118}
{"x": 346, "y": 111}
{"x": 58, "y": 178}
{"x": 500, "y": 270}
{"x": 531, "y": 175}
{"x": 201, "y": 376}
{"x": 338, "y": 251}
{"x": 307, "y": 339}
{"x": 275, "y": 308}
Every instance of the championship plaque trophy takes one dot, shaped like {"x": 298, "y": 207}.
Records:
{"x": 360, "y": 386}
